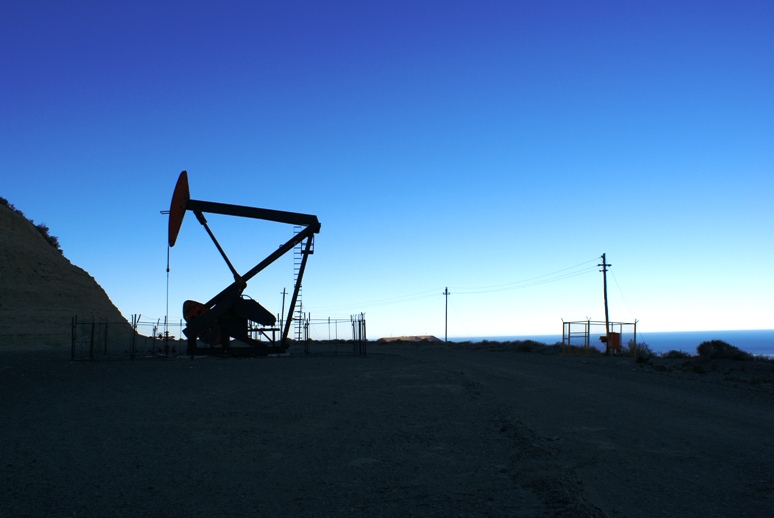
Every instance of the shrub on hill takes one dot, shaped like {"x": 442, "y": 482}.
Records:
{"x": 52, "y": 240}
{"x": 528, "y": 346}
{"x": 41, "y": 227}
{"x": 676, "y": 355}
{"x": 720, "y": 350}
{"x": 642, "y": 349}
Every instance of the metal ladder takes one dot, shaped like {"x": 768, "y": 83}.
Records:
{"x": 298, "y": 252}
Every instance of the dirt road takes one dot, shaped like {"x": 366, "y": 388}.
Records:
{"x": 635, "y": 441}
{"x": 406, "y": 431}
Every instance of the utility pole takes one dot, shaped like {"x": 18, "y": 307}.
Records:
{"x": 604, "y": 266}
{"x": 446, "y": 318}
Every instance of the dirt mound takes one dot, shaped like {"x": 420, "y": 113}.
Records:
{"x": 40, "y": 290}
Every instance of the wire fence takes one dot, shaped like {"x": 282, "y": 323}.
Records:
{"x": 314, "y": 332}
{"x": 614, "y": 337}
{"x": 101, "y": 339}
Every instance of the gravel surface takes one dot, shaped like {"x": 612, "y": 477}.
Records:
{"x": 409, "y": 430}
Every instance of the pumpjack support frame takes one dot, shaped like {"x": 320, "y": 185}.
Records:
{"x": 226, "y": 315}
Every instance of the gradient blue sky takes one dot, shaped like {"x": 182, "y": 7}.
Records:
{"x": 491, "y": 147}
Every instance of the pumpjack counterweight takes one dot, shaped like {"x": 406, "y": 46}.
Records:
{"x": 230, "y": 314}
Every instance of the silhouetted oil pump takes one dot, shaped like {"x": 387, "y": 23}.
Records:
{"x": 228, "y": 314}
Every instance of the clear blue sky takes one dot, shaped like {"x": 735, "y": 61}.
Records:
{"x": 483, "y": 146}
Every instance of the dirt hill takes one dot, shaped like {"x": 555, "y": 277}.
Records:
{"x": 40, "y": 290}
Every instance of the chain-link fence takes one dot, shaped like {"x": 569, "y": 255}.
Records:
{"x": 99, "y": 339}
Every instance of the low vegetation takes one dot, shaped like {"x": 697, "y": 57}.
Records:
{"x": 676, "y": 355}
{"x": 710, "y": 350}
{"x": 720, "y": 350}
{"x": 640, "y": 350}
{"x": 41, "y": 227}
{"x": 522, "y": 346}
{"x": 715, "y": 360}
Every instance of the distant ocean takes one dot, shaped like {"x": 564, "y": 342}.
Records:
{"x": 758, "y": 342}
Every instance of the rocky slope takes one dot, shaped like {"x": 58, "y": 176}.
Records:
{"x": 40, "y": 290}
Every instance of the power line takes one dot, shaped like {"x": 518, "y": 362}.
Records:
{"x": 398, "y": 299}
{"x": 524, "y": 284}
{"x": 631, "y": 314}
{"x": 532, "y": 281}
{"x": 554, "y": 276}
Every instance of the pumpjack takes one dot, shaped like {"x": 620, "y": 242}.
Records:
{"x": 231, "y": 314}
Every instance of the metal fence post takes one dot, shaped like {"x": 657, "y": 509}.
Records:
{"x": 73, "y": 332}
{"x": 91, "y": 346}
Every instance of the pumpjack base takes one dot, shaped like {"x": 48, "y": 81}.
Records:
{"x": 234, "y": 350}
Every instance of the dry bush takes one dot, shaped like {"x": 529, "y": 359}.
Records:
{"x": 676, "y": 355}
{"x": 41, "y": 227}
{"x": 642, "y": 349}
{"x": 720, "y": 350}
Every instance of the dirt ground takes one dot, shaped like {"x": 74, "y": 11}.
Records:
{"x": 409, "y": 430}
